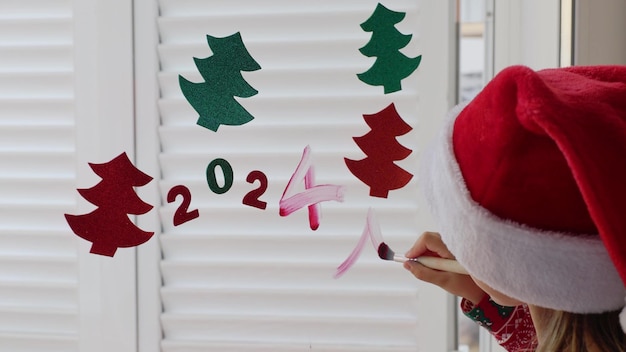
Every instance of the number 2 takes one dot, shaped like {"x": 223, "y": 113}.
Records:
{"x": 252, "y": 197}
{"x": 182, "y": 214}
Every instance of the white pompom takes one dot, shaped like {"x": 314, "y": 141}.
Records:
{"x": 622, "y": 318}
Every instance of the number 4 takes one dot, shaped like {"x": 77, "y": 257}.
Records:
{"x": 312, "y": 195}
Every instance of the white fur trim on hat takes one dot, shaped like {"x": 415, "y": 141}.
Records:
{"x": 547, "y": 269}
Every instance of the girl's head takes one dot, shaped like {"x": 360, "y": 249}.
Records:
{"x": 571, "y": 332}
{"x": 528, "y": 184}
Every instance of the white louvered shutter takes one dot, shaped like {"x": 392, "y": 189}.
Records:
{"x": 38, "y": 260}
{"x": 238, "y": 278}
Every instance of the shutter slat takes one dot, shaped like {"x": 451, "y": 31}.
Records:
{"x": 39, "y": 294}
{"x": 38, "y": 269}
{"x": 326, "y": 109}
{"x": 327, "y": 244}
{"x": 330, "y": 137}
{"x": 301, "y": 53}
{"x": 314, "y": 302}
{"x": 287, "y": 247}
{"x": 253, "y": 27}
{"x": 37, "y": 243}
{"x": 33, "y": 342}
{"x": 301, "y": 83}
{"x": 37, "y": 164}
{"x": 183, "y": 8}
{"x": 36, "y": 31}
{"x": 279, "y": 274}
{"x": 36, "y": 111}
{"x": 37, "y": 190}
{"x": 38, "y": 321}
{"x": 34, "y": 58}
{"x": 335, "y": 218}
{"x": 200, "y": 346}
{"x": 289, "y": 329}
{"x": 36, "y": 85}
{"x": 36, "y": 8}
{"x": 37, "y": 138}
{"x": 20, "y": 216}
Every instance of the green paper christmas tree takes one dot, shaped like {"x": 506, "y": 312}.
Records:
{"x": 391, "y": 66}
{"x": 214, "y": 99}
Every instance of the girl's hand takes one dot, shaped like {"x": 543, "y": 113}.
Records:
{"x": 430, "y": 244}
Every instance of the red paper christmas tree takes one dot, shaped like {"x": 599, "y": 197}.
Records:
{"x": 378, "y": 170}
{"x": 108, "y": 227}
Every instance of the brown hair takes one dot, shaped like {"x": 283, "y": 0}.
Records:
{"x": 570, "y": 332}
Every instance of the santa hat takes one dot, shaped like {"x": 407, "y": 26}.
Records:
{"x": 528, "y": 184}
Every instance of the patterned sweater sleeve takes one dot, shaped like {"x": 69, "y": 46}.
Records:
{"x": 512, "y": 327}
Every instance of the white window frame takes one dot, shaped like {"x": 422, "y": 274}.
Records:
{"x": 104, "y": 113}
{"x": 531, "y": 25}
{"x": 599, "y": 32}
{"x": 147, "y": 94}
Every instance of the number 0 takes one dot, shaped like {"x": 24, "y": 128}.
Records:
{"x": 211, "y": 178}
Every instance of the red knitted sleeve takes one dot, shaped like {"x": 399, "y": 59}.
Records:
{"x": 512, "y": 327}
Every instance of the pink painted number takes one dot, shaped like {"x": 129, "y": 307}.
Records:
{"x": 312, "y": 195}
{"x": 371, "y": 231}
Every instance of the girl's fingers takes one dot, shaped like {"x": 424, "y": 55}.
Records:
{"x": 456, "y": 284}
{"x": 429, "y": 243}
{"x": 424, "y": 273}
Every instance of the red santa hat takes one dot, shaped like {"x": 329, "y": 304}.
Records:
{"x": 528, "y": 183}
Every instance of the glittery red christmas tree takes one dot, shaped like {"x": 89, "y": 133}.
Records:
{"x": 378, "y": 170}
{"x": 108, "y": 227}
